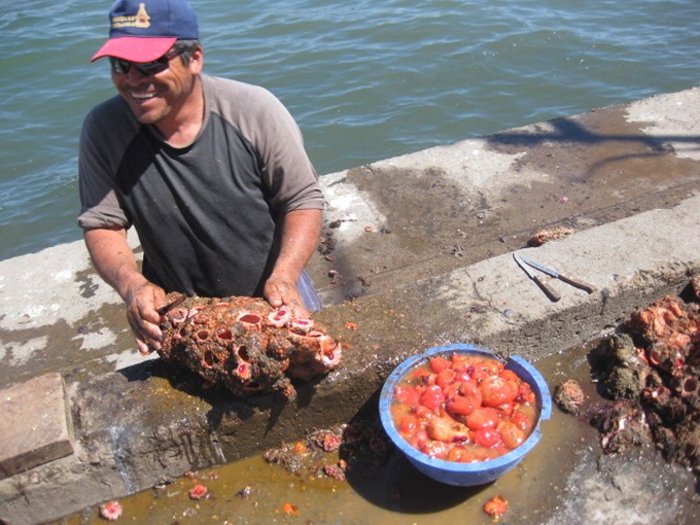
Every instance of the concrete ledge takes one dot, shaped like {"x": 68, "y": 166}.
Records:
{"x": 422, "y": 245}
{"x": 149, "y": 422}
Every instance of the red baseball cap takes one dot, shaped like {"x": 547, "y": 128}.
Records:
{"x": 143, "y": 31}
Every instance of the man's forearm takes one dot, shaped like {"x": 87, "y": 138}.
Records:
{"x": 115, "y": 262}
{"x": 113, "y": 259}
{"x": 301, "y": 230}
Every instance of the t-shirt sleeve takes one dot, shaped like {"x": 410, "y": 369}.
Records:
{"x": 264, "y": 121}
{"x": 287, "y": 169}
{"x": 99, "y": 206}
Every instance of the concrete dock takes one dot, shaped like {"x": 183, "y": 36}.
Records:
{"x": 416, "y": 252}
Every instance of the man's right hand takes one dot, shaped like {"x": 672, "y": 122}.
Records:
{"x": 142, "y": 303}
{"x": 114, "y": 261}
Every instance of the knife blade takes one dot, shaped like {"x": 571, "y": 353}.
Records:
{"x": 167, "y": 307}
{"x": 578, "y": 283}
{"x": 548, "y": 290}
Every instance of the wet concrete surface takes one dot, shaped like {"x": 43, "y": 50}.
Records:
{"x": 416, "y": 252}
{"x": 565, "y": 479}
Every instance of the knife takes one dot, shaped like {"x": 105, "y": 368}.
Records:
{"x": 167, "y": 307}
{"x": 583, "y": 285}
{"x": 548, "y": 290}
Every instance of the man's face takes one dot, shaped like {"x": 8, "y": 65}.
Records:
{"x": 158, "y": 98}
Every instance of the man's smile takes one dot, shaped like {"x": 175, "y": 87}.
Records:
{"x": 141, "y": 96}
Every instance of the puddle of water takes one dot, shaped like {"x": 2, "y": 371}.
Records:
{"x": 563, "y": 480}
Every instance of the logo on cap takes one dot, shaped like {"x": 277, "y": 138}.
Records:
{"x": 141, "y": 19}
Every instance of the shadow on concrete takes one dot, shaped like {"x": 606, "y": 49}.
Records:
{"x": 568, "y": 130}
{"x": 224, "y": 404}
{"x": 138, "y": 372}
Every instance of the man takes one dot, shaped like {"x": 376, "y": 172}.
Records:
{"x": 212, "y": 173}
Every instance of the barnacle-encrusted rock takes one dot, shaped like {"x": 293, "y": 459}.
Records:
{"x": 622, "y": 424}
{"x": 244, "y": 344}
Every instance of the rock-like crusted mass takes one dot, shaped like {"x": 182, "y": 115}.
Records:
{"x": 244, "y": 344}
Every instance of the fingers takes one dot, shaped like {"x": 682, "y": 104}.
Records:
{"x": 148, "y": 335}
{"x": 275, "y": 291}
{"x": 299, "y": 311}
{"x": 143, "y": 316}
{"x": 280, "y": 292}
{"x": 144, "y": 349}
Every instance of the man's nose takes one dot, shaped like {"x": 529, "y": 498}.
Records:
{"x": 134, "y": 75}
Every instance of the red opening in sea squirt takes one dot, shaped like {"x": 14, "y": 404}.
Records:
{"x": 464, "y": 408}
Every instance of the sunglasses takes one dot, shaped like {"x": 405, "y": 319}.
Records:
{"x": 121, "y": 67}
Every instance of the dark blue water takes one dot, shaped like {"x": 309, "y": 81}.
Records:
{"x": 365, "y": 80}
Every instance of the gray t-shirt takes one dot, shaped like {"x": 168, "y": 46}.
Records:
{"x": 206, "y": 214}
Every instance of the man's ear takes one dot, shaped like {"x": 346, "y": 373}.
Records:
{"x": 197, "y": 60}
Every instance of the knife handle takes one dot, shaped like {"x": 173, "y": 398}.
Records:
{"x": 583, "y": 285}
{"x": 548, "y": 290}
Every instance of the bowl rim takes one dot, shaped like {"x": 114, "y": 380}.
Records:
{"x": 507, "y": 459}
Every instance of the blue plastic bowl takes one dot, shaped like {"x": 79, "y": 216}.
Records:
{"x": 465, "y": 474}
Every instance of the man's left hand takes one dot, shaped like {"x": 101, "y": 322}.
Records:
{"x": 281, "y": 291}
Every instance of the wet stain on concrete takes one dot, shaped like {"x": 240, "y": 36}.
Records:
{"x": 595, "y": 168}
{"x": 62, "y": 343}
{"x": 87, "y": 282}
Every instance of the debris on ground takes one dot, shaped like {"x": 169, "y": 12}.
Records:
{"x": 290, "y": 509}
{"x": 310, "y": 455}
{"x": 331, "y": 452}
{"x": 327, "y": 243}
{"x": 111, "y": 510}
{"x": 695, "y": 286}
{"x": 569, "y": 396}
{"x": 199, "y": 491}
{"x": 496, "y": 507}
{"x": 552, "y": 234}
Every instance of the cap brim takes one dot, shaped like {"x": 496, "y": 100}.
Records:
{"x": 135, "y": 49}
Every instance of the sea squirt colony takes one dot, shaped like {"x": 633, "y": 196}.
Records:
{"x": 245, "y": 344}
{"x": 463, "y": 407}
{"x": 650, "y": 369}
